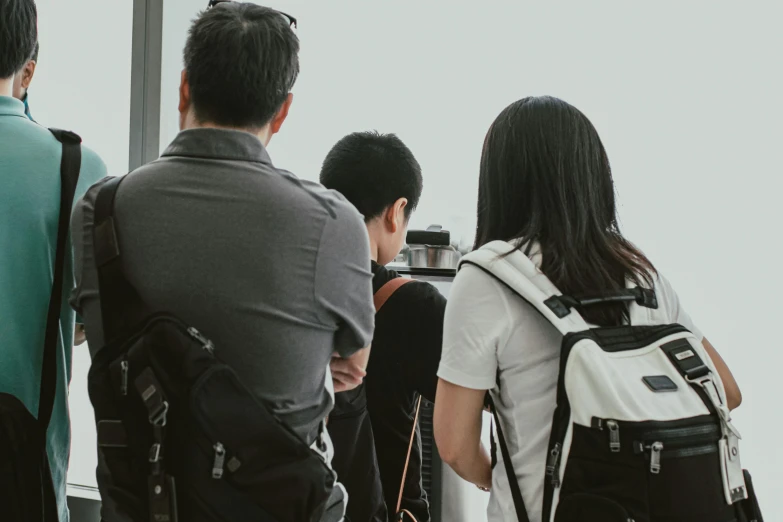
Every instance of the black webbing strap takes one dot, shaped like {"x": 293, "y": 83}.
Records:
{"x": 70, "y": 164}
{"x": 121, "y": 307}
{"x": 513, "y": 484}
{"x": 561, "y": 304}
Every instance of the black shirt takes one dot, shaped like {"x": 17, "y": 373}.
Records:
{"x": 403, "y": 363}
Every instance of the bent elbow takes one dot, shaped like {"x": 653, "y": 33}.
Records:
{"x": 734, "y": 398}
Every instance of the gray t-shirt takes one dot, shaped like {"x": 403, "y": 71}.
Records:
{"x": 273, "y": 269}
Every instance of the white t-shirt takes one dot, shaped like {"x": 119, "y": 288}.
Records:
{"x": 488, "y": 328}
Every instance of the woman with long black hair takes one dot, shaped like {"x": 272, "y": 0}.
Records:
{"x": 546, "y": 188}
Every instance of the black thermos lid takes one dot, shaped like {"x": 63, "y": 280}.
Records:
{"x": 434, "y": 235}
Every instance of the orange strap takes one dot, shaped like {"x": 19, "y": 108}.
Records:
{"x": 387, "y": 290}
{"x": 408, "y": 458}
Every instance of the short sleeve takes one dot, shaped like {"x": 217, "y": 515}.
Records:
{"x": 477, "y": 321}
{"x": 674, "y": 309}
{"x": 419, "y": 310}
{"x": 343, "y": 280}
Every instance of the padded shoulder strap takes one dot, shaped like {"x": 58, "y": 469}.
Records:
{"x": 121, "y": 307}
{"x": 520, "y": 275}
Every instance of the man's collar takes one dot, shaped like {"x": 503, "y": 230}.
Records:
{"x": 218, "y": 144}
{"x": 27, "y": 107}
{"x": 10, "y": 106}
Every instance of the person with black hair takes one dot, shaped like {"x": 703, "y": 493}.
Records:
{"x": 271, "y": 268}
{"x": 545, "y": 187}
{"x": 23, "y": 80}
{"x": 30, "y": 200}
{"x": 381, "y": 177}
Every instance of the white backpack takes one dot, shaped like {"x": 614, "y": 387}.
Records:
{"x": 641, "y": 431}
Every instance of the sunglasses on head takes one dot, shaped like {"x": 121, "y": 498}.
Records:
{"x": 290, "y": 19}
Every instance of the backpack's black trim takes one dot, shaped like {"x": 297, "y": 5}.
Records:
{"x": 623, "y": 338}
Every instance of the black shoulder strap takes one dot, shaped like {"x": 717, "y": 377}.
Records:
{"x": 513, "y": 484}
{"x": 70, "y": 164}
{"x": 121, "y": 307}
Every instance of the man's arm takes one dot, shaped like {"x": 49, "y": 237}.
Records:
{"x": 349, "y": 372}
{"x": 78, "y": 335}
{"x": 343, "y": 289}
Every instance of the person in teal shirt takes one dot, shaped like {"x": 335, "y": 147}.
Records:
{"x": 29, "y": 207}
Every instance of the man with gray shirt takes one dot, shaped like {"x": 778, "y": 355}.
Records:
{"x": 271, "y": 268}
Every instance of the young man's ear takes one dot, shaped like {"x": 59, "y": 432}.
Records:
{"x": 27, "y": 74}
{"x": 395, "y": 216}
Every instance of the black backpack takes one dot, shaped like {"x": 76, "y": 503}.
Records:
{"x": 26, "y": 489}
{"x": 182, "y": 437}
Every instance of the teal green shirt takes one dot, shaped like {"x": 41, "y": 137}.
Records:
{"x": 29, "y": 208}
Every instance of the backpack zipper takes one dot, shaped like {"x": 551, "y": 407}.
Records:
{"x": 655, "y": 457}
{"x": 552, "y": 466}
{"x": 124, "y": 377}
{"x": 614, "y": 432}
{"x": 658, "y": 453}
{"x": 205, "y": 343}
{"x": 218, "y": 463}
{"x": 700, "y": 432}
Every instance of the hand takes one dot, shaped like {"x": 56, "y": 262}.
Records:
{"x": 346, "y": 374}
{"x": 78, "y": 334}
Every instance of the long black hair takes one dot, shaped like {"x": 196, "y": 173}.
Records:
{"x": 545, "y": 177}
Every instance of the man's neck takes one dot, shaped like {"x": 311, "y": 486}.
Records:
{"x": 7, "y": 86}
{"x": 264, "y": 134}
{"x": 373, "y": 246}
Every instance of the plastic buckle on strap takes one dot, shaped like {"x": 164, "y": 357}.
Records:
{"x": 156, "y": 453}
{"x": 158, "y": 417}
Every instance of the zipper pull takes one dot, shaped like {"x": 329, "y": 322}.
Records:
{"x": 205, "y": 343}
{"x": 217, "y": 464}
{"x": 614, "y": 435}
{"x": 552, "y": 465}
{"x": 655, "y": 457}
{"x": 124, "y": 377}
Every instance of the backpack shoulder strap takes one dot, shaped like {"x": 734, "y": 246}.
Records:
{"x": 121, "y": 306}
{"x": 387, "y": 290}
{"x": 519, "y": 274}
{"x": 70, "y": 165}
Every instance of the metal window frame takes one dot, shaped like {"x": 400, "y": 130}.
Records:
{"x": 146, "y": 60}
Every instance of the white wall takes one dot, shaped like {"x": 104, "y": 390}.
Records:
{"x": 82, "y": 83}
{"x": 687, "y": 97}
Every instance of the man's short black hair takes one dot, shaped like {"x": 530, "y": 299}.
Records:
{"x": 241, "y": 61}
{"x": 372, "y": 171}
{"x": 34, "y": 57}
{"x": 18, "y": 35}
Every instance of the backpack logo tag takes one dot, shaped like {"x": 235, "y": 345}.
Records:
{"x": 687, "y": 354}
